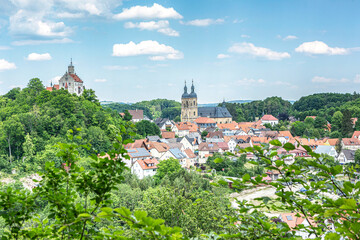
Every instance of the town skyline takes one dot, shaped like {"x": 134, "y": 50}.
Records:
{"x": 247, "y": 50}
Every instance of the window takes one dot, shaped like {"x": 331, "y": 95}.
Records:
{"x": 194, "y": 113}
{"x": 194, "y": 103}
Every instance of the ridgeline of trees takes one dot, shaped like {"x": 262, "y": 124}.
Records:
{"x": 152, "y": 109}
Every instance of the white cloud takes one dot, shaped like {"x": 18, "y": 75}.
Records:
{"x": 222, "y": 56}
{"x": 91, "y": 7}
{"x": 156, "y": 11}
{"x": 5, "y": 65}
{"x": 55, "y": 80}
{"x": 100, "y": 80}
{"x": 290, "y": 37}
{"x": 357, "y": 78}
{"x": 38, "y": 57}
{"x": 117, "y": 67}
{"x": 204, "y": 22}
{"x": 156, "y": 50}
{"x": 245, "y": 36}
{"x": 4, "y": 48}
{"x": 25, "y": 23}
{"x": 161, "y": 26}
{"x": 251, "y": 49}
{"x": 38, "y": 42}
{"x": 250, "y": 81}
{"x": 70, "y": 15}
{"x": 319, "y": 79}
{"x": 318, "y": 47}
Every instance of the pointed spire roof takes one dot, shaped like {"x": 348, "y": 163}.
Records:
{"x": 185, "y": 94}
{"x": 192, "y": 94}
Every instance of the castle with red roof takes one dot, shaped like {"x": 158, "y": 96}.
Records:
{"x": 69, "y": 81}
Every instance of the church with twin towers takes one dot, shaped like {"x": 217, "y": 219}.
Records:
{"x": 190, "y": 110}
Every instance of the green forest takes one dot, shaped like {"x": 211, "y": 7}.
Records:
{"x": 85, "y": 194}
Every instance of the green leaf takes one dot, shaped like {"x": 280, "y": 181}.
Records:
{"x": 246, "y": 177}
{"x": 84, "y": 215}
{"x": 275, "y": 142}
{"x": 332, "y": 236}
{"x": 289, "y": 146}
{"x": 218, "y": 160}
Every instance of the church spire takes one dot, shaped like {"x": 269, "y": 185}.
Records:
{"x": 192, "y": 87}
{"x": 185, "y": 88}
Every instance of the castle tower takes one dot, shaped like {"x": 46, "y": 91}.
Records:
{"x": 71, "y": 68}
{"x": 189, "y": 108}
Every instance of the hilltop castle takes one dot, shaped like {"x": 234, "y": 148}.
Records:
{"x": 190, "y": 110}
{"x": 69, "y": 81}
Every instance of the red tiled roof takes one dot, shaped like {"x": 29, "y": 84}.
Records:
{"x": 139, "y": 143}
{"x": 356, "y": 134}
{"x": 137, "y": 114}
{"x": 192, "y": 127}
{"x": 56, "y": 86}
{"x": 76, "y": 78}
{"x": 203, "y": 120}
{"x": 269, "y": 117}
{"x": 230, "y": 126}
{"x": 189, "y": 153}
{"x": 144, "y": 164}
{"x": 313, "y": 117}
{"x": 223, "y": 145}
{"x": 351, "y": 141}
{"x": 167, "y": 135}
{"x": 285, "y": 134}
{"x": 295, "y": 221}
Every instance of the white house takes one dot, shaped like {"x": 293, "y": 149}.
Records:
{"x": 346, "y": 156}
{"x": 144, "y": 168}
{"x": 270, "y": 119}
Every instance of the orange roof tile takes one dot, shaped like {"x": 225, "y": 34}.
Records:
{"x": 167, "y": 135}
{"x": 148, "y": 163}
{"x": 189, "y": 153}
{"x": 203, "y": 120}
{"x": 356, "y": 134}
{"x": 76, "y": 78}
{"x": 269, "y": 117}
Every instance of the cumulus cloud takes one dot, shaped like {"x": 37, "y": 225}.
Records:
{"x": 117, "y": 67}
{"x": 222, "y": 56}
{"x": 5, "y": 65}
{"x": 156, "y": 50}
{"x": 290, "y": 37}
{"x": 320, "y": 48}
{"x": 100, "y": 80}
{"x": 160, "y": 26}
{"x": 33, "y": 24}
{"x": 91, "y": 7}
{"x": 55, "y": 80}
{"x": 156, "y": 11}
{"x": 39, "y": 57}
{"x": 38, "y": 42}
{"x": 204, "y": 22}
{"x": 250, "y": 81}
{"x": 251, "y": 49}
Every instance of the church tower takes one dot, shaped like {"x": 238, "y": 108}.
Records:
{"x": 189, "y": 108}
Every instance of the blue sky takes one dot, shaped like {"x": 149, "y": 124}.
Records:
{"x": 140, "y": 50}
